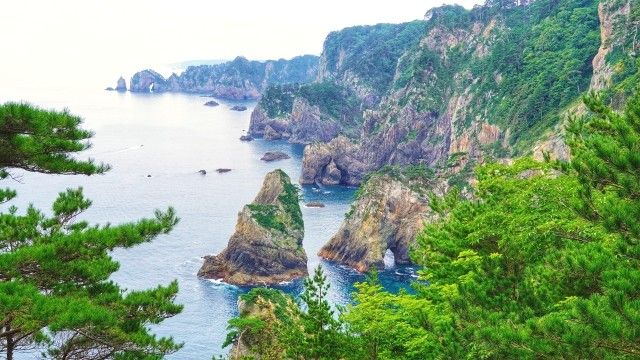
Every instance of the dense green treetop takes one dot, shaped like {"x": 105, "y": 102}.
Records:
{"x": 55, "y": 292}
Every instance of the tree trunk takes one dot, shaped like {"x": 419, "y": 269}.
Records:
{"x": 10, "y": 345}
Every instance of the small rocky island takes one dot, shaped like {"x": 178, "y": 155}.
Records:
{"x": 211, "y": 103}
{"x": 239, "y": 108}
{"x": 270, "y": 156}
{"x": 266, "y": 247}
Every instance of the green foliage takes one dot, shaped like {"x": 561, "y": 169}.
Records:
{"x": 290, "y": 199}
{"x": 55, "y": 292}
{"x": 273, "y": 326}
{"x": 267, "y": 215}
{"x": 285, "y": 214}
{"x": 40, "y": 140}
{"x": 371, "y": 52}
{"x": 544, "y": 262}
{"x": 334, "y": 101}
{"x": 535, "y": 66}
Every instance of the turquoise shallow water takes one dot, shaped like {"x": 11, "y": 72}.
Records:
{"x": 171, "y": 137}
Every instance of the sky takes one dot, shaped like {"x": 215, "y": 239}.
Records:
{"x": 74, "y": 39}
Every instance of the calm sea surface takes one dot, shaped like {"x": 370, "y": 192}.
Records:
{"x": 171, "y": 137}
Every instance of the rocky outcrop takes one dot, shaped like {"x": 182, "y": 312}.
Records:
{"x": 239, "y": 79}
{"x": 211, "y": 103}
{"x": 608, "y": 15}
{"x": 301, "y": 122}
{"x": 266, "y": 247}
{"x": 334, "y": 163}
{"x": 388, "y": 214}
{"x": 238, "y": 108}
{"x": 147, "y": 81}
{"x": 121, "y": 85}
{"x": 270, "y": 156}
{"x": 272, "y": 308}
{"x": 303, "y": 125}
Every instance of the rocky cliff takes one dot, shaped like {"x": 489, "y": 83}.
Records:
{"x": 266, "y": 247}
{"x": 235, "y": 80}
{"x": 490, "y": 82}
{"x": 485, "y": 84}
{"x": 391, "y": 208}
{"x": 355, "y": 69}
{"x": 306, "y": 113}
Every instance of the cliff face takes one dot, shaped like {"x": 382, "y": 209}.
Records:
{"x": 355, "y": 69}
{"x": 389, "y": 212}
{"x": 266, "y": 247}
{"x": 236, "y": 80}
{"x": 456, "y": 102}
{"x": 492, "y": 82}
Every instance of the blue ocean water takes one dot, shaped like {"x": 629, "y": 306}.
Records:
{"x": 170, "y": 137}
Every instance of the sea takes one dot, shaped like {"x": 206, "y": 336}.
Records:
{"x": 156, "y": 145}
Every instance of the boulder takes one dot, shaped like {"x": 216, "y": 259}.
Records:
{"x": 266, "y": 247}
{"x": 246, "y": 138}
{"x": 211, "y": 103}
{"x": 239, "y": 108}
{"x": 222, "y": 170}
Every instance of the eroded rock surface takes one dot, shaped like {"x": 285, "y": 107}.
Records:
{"x": 266, "y": 247}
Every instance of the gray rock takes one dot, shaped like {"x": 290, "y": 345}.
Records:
{"x": 315, "y": 204}
{"x": 239, "y": 108}
{"x": 211, "y": 103}
{"x": 274, "y": 156}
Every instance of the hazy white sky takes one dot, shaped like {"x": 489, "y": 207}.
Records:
{"x": 114, "y": 37}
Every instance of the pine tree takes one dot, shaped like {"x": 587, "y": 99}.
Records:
{"x": 55, "y": 291}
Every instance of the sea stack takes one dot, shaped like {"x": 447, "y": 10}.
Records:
{"x": 122, "y": 85}
{"x": 266, "y": 247}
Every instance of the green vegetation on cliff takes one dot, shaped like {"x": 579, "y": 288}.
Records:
{"x": 542, "y": 263}
{"x": 56, "y": 292}
{"x": 334, "y": 100}
{"x": 536, "y": 61}
{"x": 371, "y": 52}
{"x": 284, "y": 215}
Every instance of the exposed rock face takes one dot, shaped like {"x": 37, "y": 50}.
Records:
{"x": 266, "y": 247}
{"x": 334, "y": 163}
{"x": 122, "y": 85}
{"x": 239, "y": 79}
{"x": 608, "y": 16}
{"x": 438, "y": 104}
{"x": 388, "y": 215}
{"x": 302, "y": 123}
{"x": 147, "y": 81}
